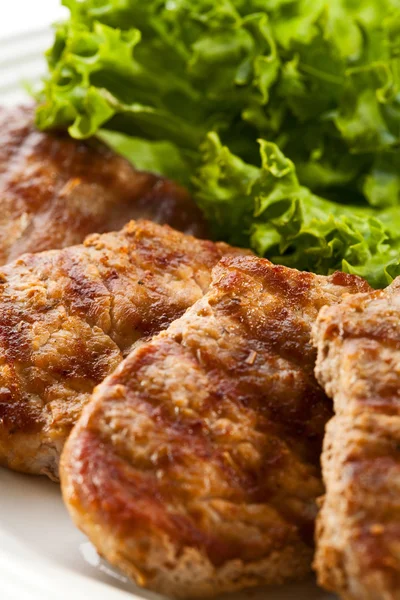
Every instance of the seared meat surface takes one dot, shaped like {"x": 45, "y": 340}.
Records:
{"x": 55, "y": 190}
{"x": 195, "y": 467}
{"x": 67, "y": 318}
{"x": 358, "y": 533}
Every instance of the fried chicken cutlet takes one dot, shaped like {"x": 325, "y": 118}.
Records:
{"x": 358, "y": 531}
{"x": 67, "y": 318}
{"x": 55, "y": 190}
{"x": 195, "y": 466}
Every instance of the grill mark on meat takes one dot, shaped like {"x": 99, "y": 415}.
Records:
{"x": 55, "y": 190}
{"x": 209, "y": 436}
{"x": 67, "y": 317}
{"x": 188, "y": 436}
{"x": 90, "y": 365}
{"x": 22, "y": 416}
{"x": 187, "y": 440}
{"x": 347, "y": 280}
{"x": 238, "y": 383}
{"x": 269, "y": 331}
{"x": 358, "y": 362}
{"x": 140, "y": 502}
{"x": 86, "y": 297}
{"x": 14, "y": 335}
{"x": 274, "y": 281}
{"x": 172, "y": 258}
{"x": 19, "y": 420}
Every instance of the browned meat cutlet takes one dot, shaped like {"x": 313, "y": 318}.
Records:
{"x": 195, "y": 467}
{"x": 67, "y": 317}
{"x": 358, "y": 533}
{"x": 55, "y": 190}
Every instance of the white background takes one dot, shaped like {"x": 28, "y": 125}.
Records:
{"x": 25, "y": 33}
{"x": 18, "y": 16}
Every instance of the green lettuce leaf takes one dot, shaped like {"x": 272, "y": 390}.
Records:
{"x": 162, "y": 158}
{"x": 285, "y": 221}
{"x": 318, "y": 79}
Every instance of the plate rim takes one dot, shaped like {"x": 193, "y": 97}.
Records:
{"x": 28, "y": 576}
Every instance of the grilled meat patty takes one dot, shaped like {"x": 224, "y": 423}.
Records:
{"x": 67, "y": 317}
{"x": 195, "y": 467}
{"x": 55, "y": 190}
{"x": 358, "y": 532}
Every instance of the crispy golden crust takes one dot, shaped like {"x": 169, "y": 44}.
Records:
{"x": 358, "y": 532}
{"x": 68, "y": 316}
{"x": 54, "y": 190}
{"x": 195, "y": 468}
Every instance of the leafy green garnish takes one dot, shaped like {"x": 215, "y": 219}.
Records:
{"x": 281, "y": 219}
{"x": 161, "y": 157}
{"x": 187, "y": 87}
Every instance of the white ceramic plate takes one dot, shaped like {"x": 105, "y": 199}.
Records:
{"x": 42, "y": 555}
{"x": 25, "y": 33}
